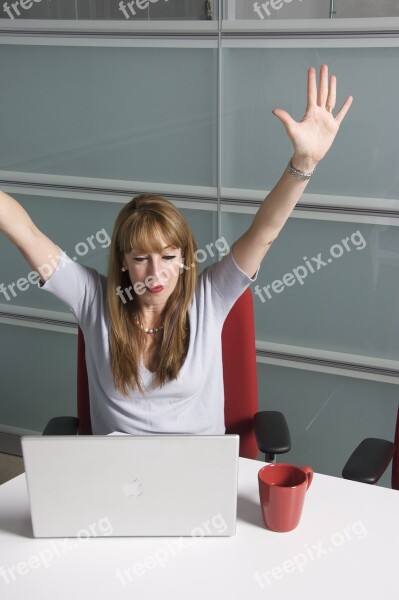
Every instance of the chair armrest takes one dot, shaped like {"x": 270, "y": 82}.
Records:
{"x": 62, "y": 426}
{"x": 272, "y": 433}
{"x": 369, "y": 461}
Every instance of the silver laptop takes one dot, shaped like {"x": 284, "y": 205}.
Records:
{"x": 123, "y": 485}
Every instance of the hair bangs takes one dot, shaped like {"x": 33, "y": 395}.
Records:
{"x": 147, "y": 232}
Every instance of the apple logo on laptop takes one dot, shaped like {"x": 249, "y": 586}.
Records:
{"x": 133, "y": 488}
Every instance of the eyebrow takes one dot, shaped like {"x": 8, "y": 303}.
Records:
{"x": 164, "y": 248}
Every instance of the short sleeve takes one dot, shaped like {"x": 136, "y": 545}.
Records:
{"x": 227, "y": 281}
{"x": 74, "y": 284}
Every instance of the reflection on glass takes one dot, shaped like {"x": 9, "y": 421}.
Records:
{"x": 328, "y": 415}
{"x": 132, "y": 10}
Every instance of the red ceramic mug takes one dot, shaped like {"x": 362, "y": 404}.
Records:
{"x": 282, "y": 490}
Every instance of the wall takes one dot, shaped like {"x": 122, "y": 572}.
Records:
{"x": 183, "y": 108}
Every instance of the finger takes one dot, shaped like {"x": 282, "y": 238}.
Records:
{"x": 312, "y": 87}
{"x": 284, "y": 117}
{"x": 332, "y": 92}
{"x": 341, "y": 115}
{"x": 323, "y": 86}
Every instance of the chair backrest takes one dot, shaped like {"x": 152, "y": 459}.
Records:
{"x": 82, "y": 395}
{"x": 239, "y": 375}
{"x": 395, "y": 459}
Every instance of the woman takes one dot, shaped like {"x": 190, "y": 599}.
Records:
{"x": 153, "y": 327}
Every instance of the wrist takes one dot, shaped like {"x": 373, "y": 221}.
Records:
{"x": 306, "y": 164}
{"x": 298, "y": 173}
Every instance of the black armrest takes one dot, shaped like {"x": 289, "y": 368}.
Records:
{"x": 272, "y": 433}
{"x": 62, "y": 426}
{"x": 369, "y": 461}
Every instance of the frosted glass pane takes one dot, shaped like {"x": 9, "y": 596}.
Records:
{"x": 364, "y": 158}
{"x": 38, "y": 376}
{"x": 276, "y": 9}
{"x": 273, "y": 10}
{"x": 134, "y": 114}
{"x": 328, "y": 415}
{"x": 69, "y": 222}
{"x": 109, "y": 9}
{"x": 350, "y": 304}
{"x": 366, "y": 8}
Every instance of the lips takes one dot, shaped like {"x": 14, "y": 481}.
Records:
{"x": 156, "y": 289}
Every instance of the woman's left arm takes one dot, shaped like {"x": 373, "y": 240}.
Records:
{"x": 311, "y": 138}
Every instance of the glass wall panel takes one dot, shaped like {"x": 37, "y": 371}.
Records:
{"x": 38, "y": 376}
{"x": 82, "y": 228}
{"x": 275, "y": 10}
{"x": 364, "y": 158}
{"x": 119, "y": 113}
{"x": 365, "y": 8}
{"x": 328, "y": 415}
{"x": 328, "y": 284}
{"x": 188, "y": 10}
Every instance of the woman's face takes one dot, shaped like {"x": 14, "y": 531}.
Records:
{"x": 154, "y": 276}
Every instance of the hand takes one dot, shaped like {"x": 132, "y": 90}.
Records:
{"x": 313, "y": 136}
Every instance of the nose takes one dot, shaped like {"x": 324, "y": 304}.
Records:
{"x": 154, "y": 266}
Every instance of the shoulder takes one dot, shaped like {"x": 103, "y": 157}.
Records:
{"x": 75, "y": 284}
{"x": 221, "y": 284}
{"x": 227, "y": 272}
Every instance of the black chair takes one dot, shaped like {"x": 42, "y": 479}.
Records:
{"x": 371, "y": 458}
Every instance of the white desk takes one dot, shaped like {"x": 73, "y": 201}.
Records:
{"x": 346, "y": 546}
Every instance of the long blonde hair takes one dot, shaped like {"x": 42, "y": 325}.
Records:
{"x": 141, "y": 224}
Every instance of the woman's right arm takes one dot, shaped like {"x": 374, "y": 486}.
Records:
{"x": 19, "y": 228}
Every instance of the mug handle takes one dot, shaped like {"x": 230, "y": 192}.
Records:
{"x": 309, "y": 475}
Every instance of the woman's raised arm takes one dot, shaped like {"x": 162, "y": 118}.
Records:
{"x": 311, "y": 139}
{"x": 19, "y": 228}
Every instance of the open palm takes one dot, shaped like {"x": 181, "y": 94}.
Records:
{"x": 315, "y": 133}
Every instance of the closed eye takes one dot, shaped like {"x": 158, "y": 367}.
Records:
{"x": 140, "y": 259}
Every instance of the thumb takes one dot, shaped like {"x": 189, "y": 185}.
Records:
{"x": 284, "y": 117}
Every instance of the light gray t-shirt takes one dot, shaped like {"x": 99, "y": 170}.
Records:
{"x": 191, "y": 404}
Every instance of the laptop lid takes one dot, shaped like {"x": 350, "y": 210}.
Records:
{"x": 122, "y": 485}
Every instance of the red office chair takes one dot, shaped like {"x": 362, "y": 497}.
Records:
{"x": 266, "y": 431}
{"x": 372, "y": 457}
